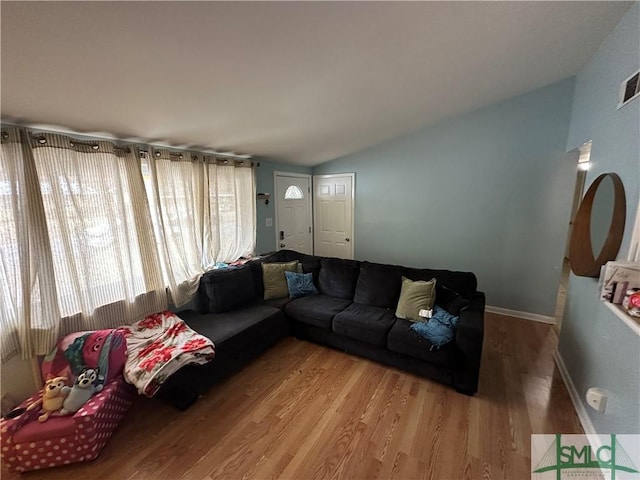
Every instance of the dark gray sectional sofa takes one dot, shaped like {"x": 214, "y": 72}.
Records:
{"x": 354, "y": 312}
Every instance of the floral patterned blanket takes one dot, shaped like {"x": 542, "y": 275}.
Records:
{"x": 160, "y": 345}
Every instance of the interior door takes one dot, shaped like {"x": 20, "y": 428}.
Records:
{"x": 333, "y": 215}
{"x": 293, "y": 212}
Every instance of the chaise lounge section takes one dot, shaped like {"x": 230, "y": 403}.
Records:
{"x": 354, "y": 311}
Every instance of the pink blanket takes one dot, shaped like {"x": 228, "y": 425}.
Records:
{"x": 160, "y": 345}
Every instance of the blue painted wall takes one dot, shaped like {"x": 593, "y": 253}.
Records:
{"x": 487, "y": 192}
{"x": 265, "y": 236}
{"x": 598, "y": 348}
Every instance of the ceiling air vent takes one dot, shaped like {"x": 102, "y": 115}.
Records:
{"x": 629, "y": 89}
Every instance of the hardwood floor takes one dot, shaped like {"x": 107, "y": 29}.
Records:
{"x": 303, "y": 411}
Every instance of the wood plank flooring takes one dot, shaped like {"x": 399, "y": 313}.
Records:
{"x": 304, "y": 411}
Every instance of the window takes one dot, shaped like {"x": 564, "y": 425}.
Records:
{"x": 232, "y": 210}
{"x": 203, "y": 213}
{"x": 92, "y": 235}
{"x": 293, "y": 192}
{"x": 12, "y": 245}
{"x": 97, "y": 222}
{"x": 28, "y": 306}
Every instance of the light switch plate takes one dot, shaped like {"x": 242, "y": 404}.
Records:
{"x": 269, "y": 222}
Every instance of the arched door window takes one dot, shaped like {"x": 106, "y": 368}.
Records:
{"x": 293, "y": 192}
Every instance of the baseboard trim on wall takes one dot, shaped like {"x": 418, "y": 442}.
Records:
{"x": 536, "y": 317}
{"x": 579, "y": 407}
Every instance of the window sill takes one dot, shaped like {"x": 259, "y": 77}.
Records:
{"x": 632, "y": 322}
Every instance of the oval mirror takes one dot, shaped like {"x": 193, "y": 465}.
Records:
{"x": 598, "y": 226}
{"x": 601, "y": 214}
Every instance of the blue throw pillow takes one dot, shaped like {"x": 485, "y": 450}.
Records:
{"x": 440, "y": 329}
{"x": 300, "y": 284}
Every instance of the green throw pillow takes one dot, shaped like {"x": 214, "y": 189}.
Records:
{"x": 275, "y": 283}
{"x": 414, "y": 297}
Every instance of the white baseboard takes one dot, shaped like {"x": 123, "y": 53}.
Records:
{"x": 536, "y": 317}
{"x": 578, "y": 405}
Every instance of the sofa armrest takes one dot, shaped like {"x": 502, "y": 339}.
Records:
{"x": 469, "y": 337}
{"x": 11, "y": 425}
{"x": 228, "y": 288}
{"x": 115, "y": 397}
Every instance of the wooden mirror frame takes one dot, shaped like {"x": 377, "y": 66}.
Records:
{"x": 584, "y": 261}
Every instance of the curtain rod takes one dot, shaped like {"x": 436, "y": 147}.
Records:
{"x": 220, "y": 160}
{"x": 110, "y": 137}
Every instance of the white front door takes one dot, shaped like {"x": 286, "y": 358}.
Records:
{"x": 333, "y": 215}
{"x": 293, "y": 212}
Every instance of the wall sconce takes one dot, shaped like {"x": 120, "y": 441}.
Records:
{"x": 265, "y": 197}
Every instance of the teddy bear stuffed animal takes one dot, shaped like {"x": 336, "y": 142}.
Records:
{"x": 52, "y": 397}
{"x": 83, "y": 388}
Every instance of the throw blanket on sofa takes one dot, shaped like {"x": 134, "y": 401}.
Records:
{"x": 160, "y": 345}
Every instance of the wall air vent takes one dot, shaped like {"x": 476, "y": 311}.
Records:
{"x": 629, "y": 89}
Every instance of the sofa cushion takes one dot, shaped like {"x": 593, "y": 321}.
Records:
{"x": 316, "y": 310}
{"x": 338, "y": 277}
{"x": 278, "y": 303}
{"x": 228, "y": 289}
{"x": 255, "y": 266}
{"x": 401, "y": 339}
{"x": 221, "y": 327}
{"x": 465, "y": 283}
{"x": 275, "y": 283}
{"x": 54, "y": 427}
{"x": 285, "y": 255}
{"x": 364, "y": 323}
{"x": 451, "y": 300}
{"x": 415, "y": 296}
{"x": 378, "y": 285}
{"x": 311, "y": 264}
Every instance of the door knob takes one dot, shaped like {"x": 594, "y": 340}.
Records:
{"x": 282, "y": 245}
{"x": 347, "y": 239}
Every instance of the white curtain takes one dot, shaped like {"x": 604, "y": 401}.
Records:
{"x": 232, "y": 208}
{"x": 203, "y": 212}
{"x": 29, "y": 314}
{"x": 176, "y": 190}
{"x": 102, "y": 246}
{"x": 92, "y": 236}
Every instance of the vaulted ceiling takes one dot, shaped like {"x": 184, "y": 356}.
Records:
{"x": 299, "y": 82}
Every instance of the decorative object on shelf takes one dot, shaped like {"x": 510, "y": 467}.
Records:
{"x": 598, "y": 226}
{"x": 631, "y": 302}
{"x": 264, "y": 196}
{"x": 620, "y": 285}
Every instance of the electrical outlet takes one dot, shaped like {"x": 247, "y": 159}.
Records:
{"x": 597, "y": 399}
{"x": 269, "y": 222}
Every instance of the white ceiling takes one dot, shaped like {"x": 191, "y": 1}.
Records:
{"x": 297, "y": 82}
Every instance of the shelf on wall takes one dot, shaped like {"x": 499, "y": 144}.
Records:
{"x": 632, "y": 322}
